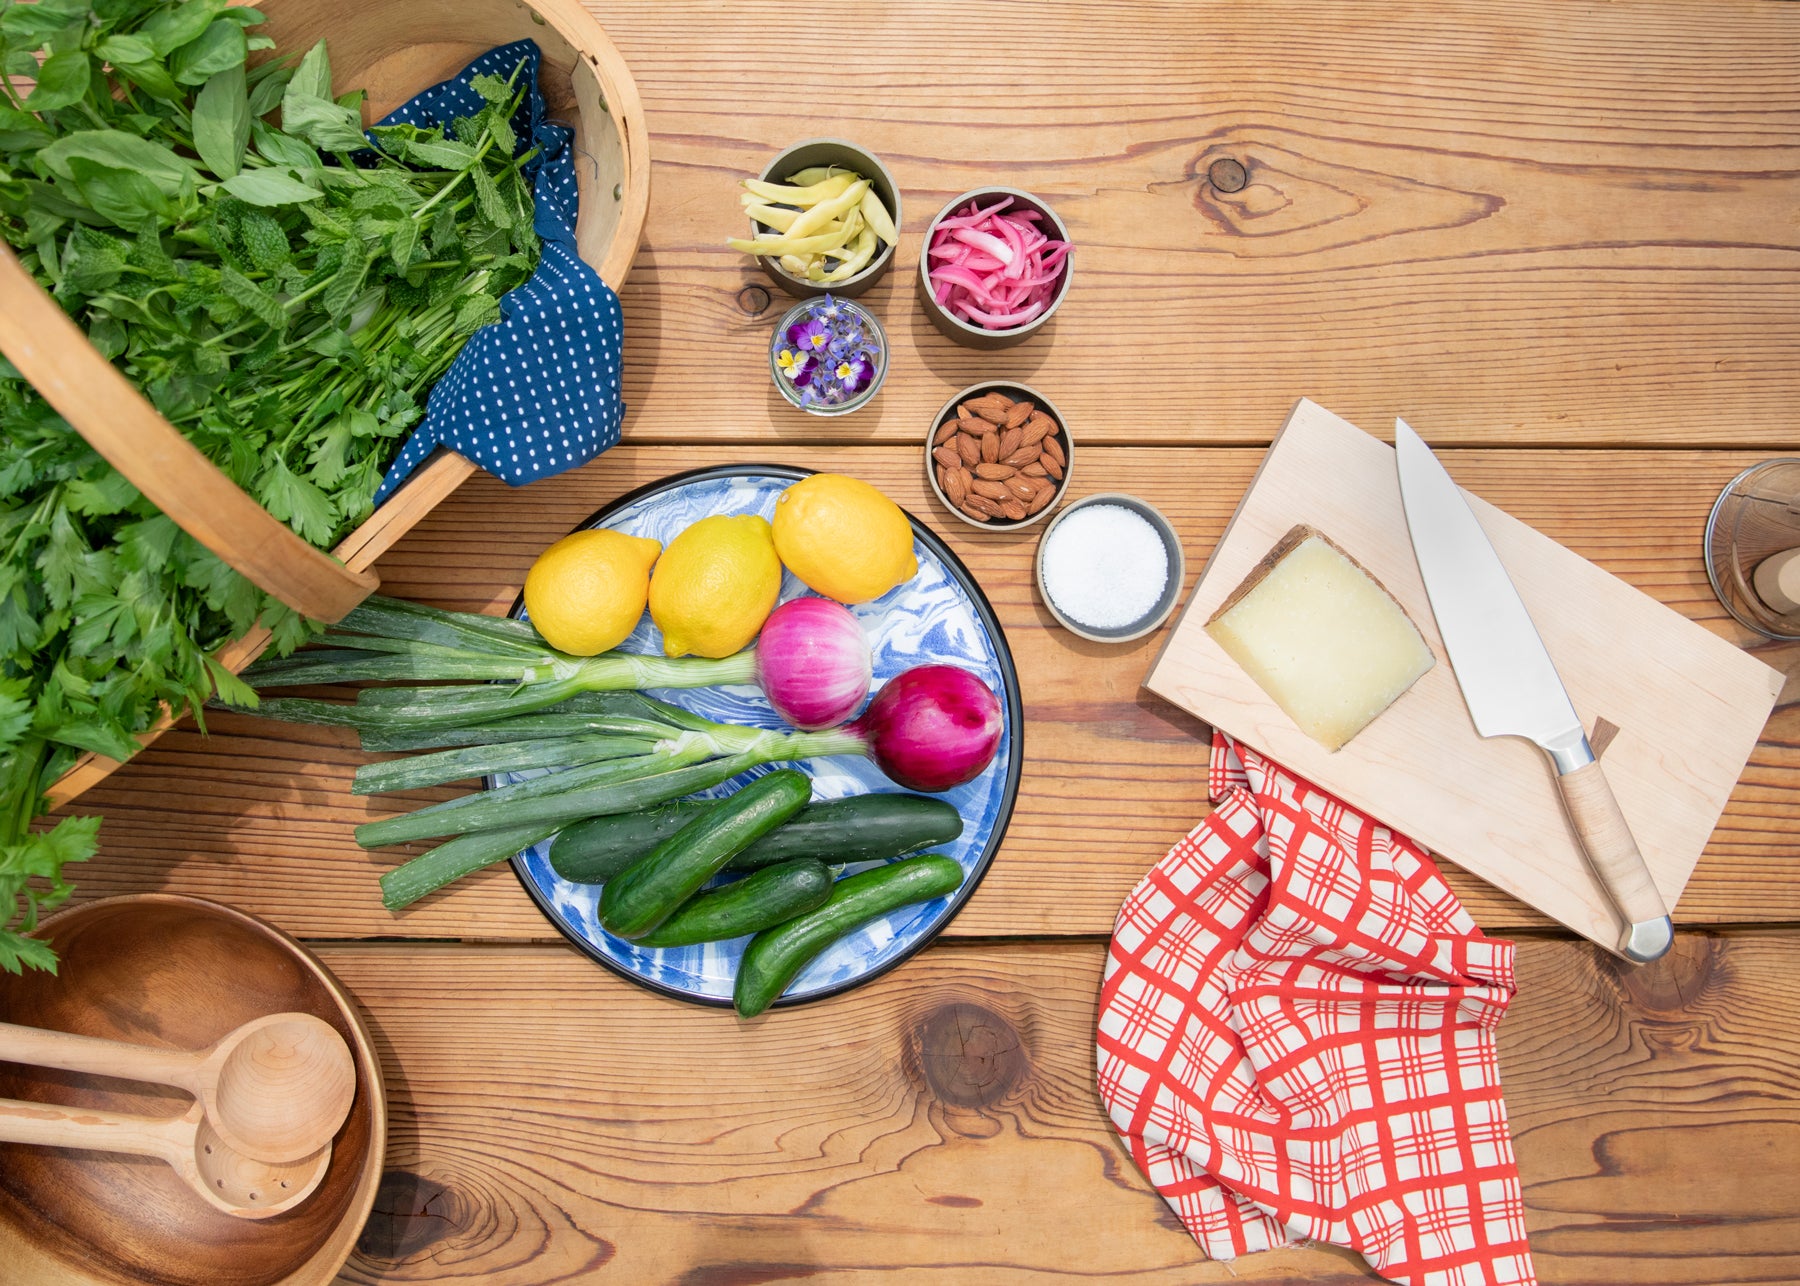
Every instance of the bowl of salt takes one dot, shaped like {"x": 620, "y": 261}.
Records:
{"x": 1109, "y": 568}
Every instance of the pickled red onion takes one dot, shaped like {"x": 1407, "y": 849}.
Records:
{"x": 994, "y": 268}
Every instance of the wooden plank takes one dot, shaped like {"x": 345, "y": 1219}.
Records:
{"x": 259, "y": 814}
{"x": 549, "y": 1121}
{"x": 1549, "y": 227}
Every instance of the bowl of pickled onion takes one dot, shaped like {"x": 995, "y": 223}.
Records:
{"x": 995, "y": 267}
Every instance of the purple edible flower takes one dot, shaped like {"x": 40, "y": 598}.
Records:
{"x": 809, "y": 336}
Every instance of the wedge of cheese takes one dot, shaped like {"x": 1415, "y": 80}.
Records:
{"x": 1321, "y": 636}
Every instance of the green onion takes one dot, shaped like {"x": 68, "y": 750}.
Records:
{"x": 479, "y": 761}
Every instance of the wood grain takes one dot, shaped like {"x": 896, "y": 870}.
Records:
{"x": 259, "y": 814}
{"x": 560, "y": 1124}
{"x": 1514, "y": 225}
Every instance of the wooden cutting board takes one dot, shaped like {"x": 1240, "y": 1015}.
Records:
{"x": 1688, "y": 705}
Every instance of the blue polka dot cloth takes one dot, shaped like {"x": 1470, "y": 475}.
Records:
{"x": 536, "y": 392}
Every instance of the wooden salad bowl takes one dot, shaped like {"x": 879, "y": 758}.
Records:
{"x": 175, "y": 971}
{"x": 392, "y": 49}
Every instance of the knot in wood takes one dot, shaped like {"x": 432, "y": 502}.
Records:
{"x": 1676, "y": 986}
{"x": 753, "y": 300}
{"x": 1227, "y": 175}
{"x": 410, "y": 1214}
{"x": 970, "y": 1055}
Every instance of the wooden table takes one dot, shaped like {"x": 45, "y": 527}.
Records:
{"x": 1560, "y": 239}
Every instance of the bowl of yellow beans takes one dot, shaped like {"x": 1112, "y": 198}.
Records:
{"x": 824, "y": 217}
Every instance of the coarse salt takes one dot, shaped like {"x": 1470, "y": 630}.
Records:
{"x": 1105, "y": 566}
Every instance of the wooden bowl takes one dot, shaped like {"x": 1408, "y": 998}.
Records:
{"x": 163, "y": 969}
{"x": 393, "y": 49}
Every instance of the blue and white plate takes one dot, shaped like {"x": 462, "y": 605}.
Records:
{"x": 937, "y": 616}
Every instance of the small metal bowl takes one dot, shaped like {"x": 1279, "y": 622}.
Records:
{"x": 786, "y": 386}
{"x": 846, "y": 156}
{"x": 1017, "y": 392}
{"x": 1165, "y": 602}
{"x": 979, "y": 336}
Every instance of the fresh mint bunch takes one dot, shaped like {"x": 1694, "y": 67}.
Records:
{"x": 283, "y": 287}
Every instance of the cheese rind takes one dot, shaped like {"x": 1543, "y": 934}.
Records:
{"x": 1322, "y": 637}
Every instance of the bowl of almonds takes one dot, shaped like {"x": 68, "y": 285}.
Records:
{"x": 999, "y": 455}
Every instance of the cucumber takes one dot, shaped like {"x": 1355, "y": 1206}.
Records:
{"x": 651, "y": 889}
{"x": 776, "y": 955}
{"x": 761, "y": 900}
{"x": 861, "y": 828}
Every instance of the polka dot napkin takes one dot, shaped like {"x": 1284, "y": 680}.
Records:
{"x": 1296, "y": 1040}
{"x": 536, "y": 392}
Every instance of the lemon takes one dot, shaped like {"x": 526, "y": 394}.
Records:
{"x": 843, "y": 538}
{"x": 586, "y": 592}
{"x": 715, "y": 586}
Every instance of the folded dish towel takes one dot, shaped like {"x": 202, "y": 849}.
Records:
{"x": 1296, "y": 1040}
{"x": 538, "y": 391}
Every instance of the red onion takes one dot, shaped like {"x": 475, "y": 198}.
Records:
{"x": 932, "y": 727}
{"x": 812, "y": 661}
{"x": 993, "y": 268}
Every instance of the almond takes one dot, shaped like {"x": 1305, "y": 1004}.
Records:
{"x": 994, "y": 408}
{"x": 969, "y": 449}
{"x": 990, "y": 447}
{"x": 972, "y": 425}
{"x": 1021, "y": 488}
{"x": 1038, "y": 427}
{"x": 975, "y": 513}
{"x": 1021, "y": 412}
{"x": 1051, "y": 467}
{"x": 1053, "y": 449}
{"x": 1035, "y": 469}
{"x": 947, "y": 456}
{"x": 981, "y": 504}
{"x": 1009, "y": 442}
{"x": 955, "y": 482}
{"x": 943, "y": 434}
{"x": 1043, "y": 498}
{"x": 1022, "y": 457}
{"x": 994, "y": 472}
{"x": 1012, "y": 509}
{"x": 995, "y": 491}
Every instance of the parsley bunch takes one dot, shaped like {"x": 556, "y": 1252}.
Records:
{"x": 284, "y": 293}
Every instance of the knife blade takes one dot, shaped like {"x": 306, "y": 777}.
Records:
{"x": 1511, "y": 686}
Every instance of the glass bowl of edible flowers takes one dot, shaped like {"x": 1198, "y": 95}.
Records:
{"x": 828, "y": 356}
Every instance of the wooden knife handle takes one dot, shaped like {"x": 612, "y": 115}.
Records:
{"x": 1614, "y": 856}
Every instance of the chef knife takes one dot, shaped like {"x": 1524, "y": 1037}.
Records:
{"x": 1511, "y": 686}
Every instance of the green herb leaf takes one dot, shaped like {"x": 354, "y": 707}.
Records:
{"x": 487, "y": 196}
{"x": 270, "y": 188}
{"x": 116, "y": 150}
{"x": 62, "y": 81}
{"x": 152, "y": 77}
{"x": 253, "y": 299}
{"x": 173, "y": 28}
{"x": 312, "y": 78}
{"x": 29, "y": 26}
{"x": 322, "y": 123}
{"x": 125, "y": 49}
{"x": 296, "y": 502}
{"x": 21, "y": 131}
{"x": 265, "y": 96}
{"x": 127, "y": 198}
{"x": 222, "y": 122}
{"x": 221, "y": 46}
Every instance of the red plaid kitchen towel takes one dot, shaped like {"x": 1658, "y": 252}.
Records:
{"x": 1297, "y": 1040}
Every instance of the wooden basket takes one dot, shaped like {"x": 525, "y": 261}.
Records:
{"x": 392, "y": 49}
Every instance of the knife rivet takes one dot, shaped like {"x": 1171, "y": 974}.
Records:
{"x": 1226, "y": 175}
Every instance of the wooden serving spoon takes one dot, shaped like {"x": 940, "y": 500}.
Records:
{"x": 274, "y": 1090}
{"x": 228, "y": 1180}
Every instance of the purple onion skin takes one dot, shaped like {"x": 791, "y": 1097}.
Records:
{"x": 813, "y": 663}
{"x": 932, "y": 727}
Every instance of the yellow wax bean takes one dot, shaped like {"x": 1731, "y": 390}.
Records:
{"x": 794, "y": 264}
{"x": 860, "y": 254}
{"x": 772, "y": 216}
{"x": 877, "y": 215}
{"x": 826, "y": 211}
{"x": 815, "y": 174}
{"x": 812, "y": 194}
{"x": 832, "y": 237}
